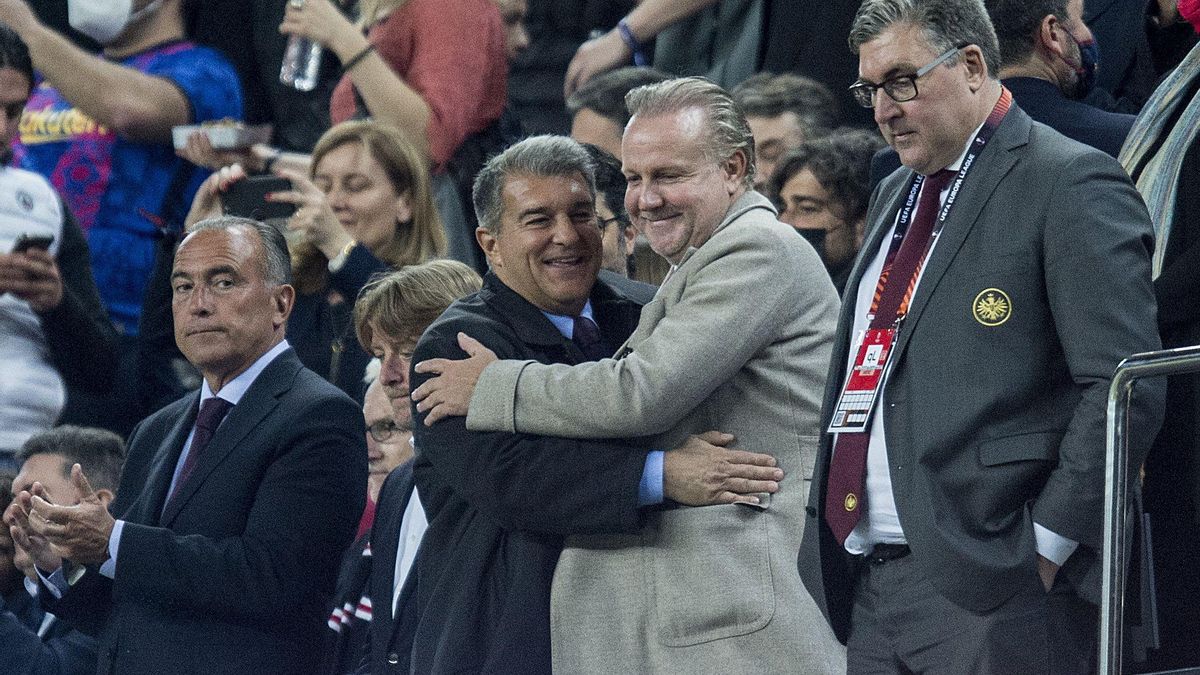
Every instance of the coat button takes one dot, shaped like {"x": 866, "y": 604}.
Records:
{"x": 393, "y": 658}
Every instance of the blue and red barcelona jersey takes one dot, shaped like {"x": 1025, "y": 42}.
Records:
{"x": 116, "y": 187}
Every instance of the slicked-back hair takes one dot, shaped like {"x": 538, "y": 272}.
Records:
{"x": 726, "y": 128}
{"x": 1017, "y": 23}
{"x": 402, "y": 304}
{"x": 605, "y": 94}
{"x": 841, "y": 163}
{"x": 945, "y": 23}
{"x": 541, "y": 156}
{"x": 771, "y": 95}
{"x": 99, "y": 452}
{"x": 276, "y": 265}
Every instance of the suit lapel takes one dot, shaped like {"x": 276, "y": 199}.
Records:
{"x": 158, "y": 480}
{"x": 993, "y": 164}
{"x": 260, "y": 400}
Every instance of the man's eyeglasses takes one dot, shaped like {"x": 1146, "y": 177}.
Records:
{"x": 604, "y": 222}
{"x": 382, "y": 430}
{"x": 900, "y": 88}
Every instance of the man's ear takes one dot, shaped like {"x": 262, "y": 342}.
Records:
{"x": 1052, "y": 37}
{"x": 490, "y": 245}
{"x": 285, "y": 297}
{"x": 630, "y": 239}
{"x": 977, "y": 69}
{"x": 735, "y": 169}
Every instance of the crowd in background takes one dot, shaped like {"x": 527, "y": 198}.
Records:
{"x": 386, "y": 229}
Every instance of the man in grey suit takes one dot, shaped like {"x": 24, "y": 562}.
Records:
{"x": 955, "y": 518}
{"x": 737, "y": 339}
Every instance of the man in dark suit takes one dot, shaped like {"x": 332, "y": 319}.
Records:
{"x": 36, "y": 641}
{"x": 955, "y": 516}
{"x": 235, "y": 502}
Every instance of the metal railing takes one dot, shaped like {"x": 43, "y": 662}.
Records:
{"x": 1116, "y": 487}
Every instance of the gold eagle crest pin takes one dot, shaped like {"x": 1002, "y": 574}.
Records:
{"x": 992, "y": 307}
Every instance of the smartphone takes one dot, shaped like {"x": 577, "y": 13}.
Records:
{"x": 247, "y": 198}
{"x": 27, "y": 241}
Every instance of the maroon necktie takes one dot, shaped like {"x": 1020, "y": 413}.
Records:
{"x": 845, "y": 497}
{"x": 212, "y": 411}
{"x": 586, "y": 336}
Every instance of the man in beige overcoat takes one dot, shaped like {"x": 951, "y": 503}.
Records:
{"x": 737, "y": 339}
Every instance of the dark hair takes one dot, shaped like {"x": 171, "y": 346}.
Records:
{"x": 610, "y": 181}
{"x": 605, "y": 94}
{"x": 277, "y": 264}
{"x": 770, "y": 95}
{"x": 14, "y": 54}
{"x": 1017, "y": 23}
{"x": 841, "y": 162}
{"x": 6, "y": 496}
{"x": 536, "y": 156}
{"x": 945, "y": 23}
{"x": 100, "y": 452}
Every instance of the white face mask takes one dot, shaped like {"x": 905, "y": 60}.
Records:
{"x": 104, "y": 20}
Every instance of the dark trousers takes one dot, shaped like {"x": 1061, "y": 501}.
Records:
{"x": 902, "y": 624}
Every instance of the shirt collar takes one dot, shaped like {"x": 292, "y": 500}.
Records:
{"x": 566, "y": 324}
{"x": 236, "y": 388}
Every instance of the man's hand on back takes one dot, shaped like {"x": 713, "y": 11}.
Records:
{"x": 705, "y": 471}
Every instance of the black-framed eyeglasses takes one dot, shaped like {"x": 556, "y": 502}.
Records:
{"x": 900, "y": 88}
{"x": 604, "y": 222}
{"x": 382, "y": 430}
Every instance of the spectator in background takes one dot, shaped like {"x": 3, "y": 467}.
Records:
{"x": 365, "y": 207}
{"x": 54, "y": 336}
{"x": 598, "y": 113}
{"x": 616, "y": 232}
{"x": 390, "y": 315}
{"x": 99, "y": 128}
{"x": 822, "y": 189}
{"x": 1050, "y": 62}
{"x": 35, "y": 641}
{"x": 783, "y": 111}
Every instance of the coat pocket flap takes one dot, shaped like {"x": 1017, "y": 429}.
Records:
{"x": 1019, "y": 448}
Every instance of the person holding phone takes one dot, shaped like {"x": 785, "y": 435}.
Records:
{"x": 364, "y": 207}
{"x": 54, "y": 335}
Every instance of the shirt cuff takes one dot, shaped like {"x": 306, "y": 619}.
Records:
{"x": 56, "y": 583}
{"x": 1053, "y": 546}
{"x": 31, "y": 587}
{"x": 650, "y": 488}
{"x": 109, "y": 567}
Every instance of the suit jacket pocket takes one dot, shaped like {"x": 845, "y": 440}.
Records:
{"x": 1019, "y": 448}
{"x": 710, "y": 572}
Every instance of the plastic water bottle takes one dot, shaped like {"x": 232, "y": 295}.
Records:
{"x": 301, "y": 62}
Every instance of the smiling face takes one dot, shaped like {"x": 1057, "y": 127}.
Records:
{"x": 361, "y": 195}
{"x": 226, "y": 314}
{"x": 930, "y": 131}
{"x": 676, "y": 195}
{"x": 547, "y": 247}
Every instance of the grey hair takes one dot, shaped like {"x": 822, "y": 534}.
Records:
{"x": 277, "y": 264}
{"x": 727, "y": 128}
{"x": 548, "y": 156}
{"x": 945, "y": 23}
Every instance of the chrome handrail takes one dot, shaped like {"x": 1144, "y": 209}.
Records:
{"x": 1116, "y": 487}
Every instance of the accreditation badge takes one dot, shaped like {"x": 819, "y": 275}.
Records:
{"x": 857, "y": 400}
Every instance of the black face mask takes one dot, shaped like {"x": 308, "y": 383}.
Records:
{"x": 817, "y": 239}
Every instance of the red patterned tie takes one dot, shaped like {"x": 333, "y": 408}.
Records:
{"x": 844, "y": 495}
{"x": 212, "y": 411}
